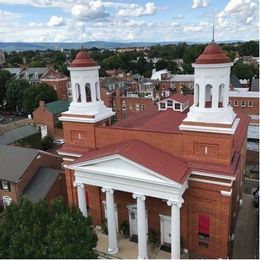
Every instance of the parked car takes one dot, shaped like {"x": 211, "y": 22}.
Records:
{"x": 59, "y": 141}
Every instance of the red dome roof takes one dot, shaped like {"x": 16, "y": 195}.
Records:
{"x": 212, "y": 54}
{"x": 83, "y": 60}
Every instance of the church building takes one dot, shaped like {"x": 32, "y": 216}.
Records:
{"x": 176, "y": 168}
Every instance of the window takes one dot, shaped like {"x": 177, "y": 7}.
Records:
{"x": 143, "y": 106}
{"x": 235, "y": 103}
{"x": 123, "y": 106}
{"x": 4, "y": 185}
{"x": 250, "y": 103}
{"x": 130, "y": 106}
{"x": 203, "y": 229}
{"x": 6, "y": 201}
{"x": 169, "y": 103}
{"x": 88, "y": 92}
{"x": 177, "y": 106}
{"x": 162, "y": 106}
{"x": 136, "y": 106}
{"x": 243, "y": 103}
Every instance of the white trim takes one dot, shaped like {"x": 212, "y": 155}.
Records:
{"x": 68, "y": 159}
{"x": 208, "y": 66}
{"x": 208, "y": 129}
{"x": 70, "y": 154}
{"x": 211, "y": 182}
{"x": 163, "y": 218}
{"x": 214, "y": 175}
{"x": 226, "y": 193}
{"x": 117, "y": 156}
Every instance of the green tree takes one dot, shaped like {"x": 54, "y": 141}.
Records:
{"x": 34, "y": 94}
{"x": 244, "y": 71}
{"x": 47, "y": 143}
{"x": 250, "y": 48}
{"x": 14, "y": 93}
{"x": 41, "y": 231}
{"x": 5, "y": 76}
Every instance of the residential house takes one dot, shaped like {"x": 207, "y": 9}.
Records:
{"x": 31, "y": 173}
{"x": 47, "y": 114}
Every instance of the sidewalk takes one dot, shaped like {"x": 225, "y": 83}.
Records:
{"x": 245, "y": 243}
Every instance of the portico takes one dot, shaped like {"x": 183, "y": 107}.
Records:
{"x": 118, "y": 173}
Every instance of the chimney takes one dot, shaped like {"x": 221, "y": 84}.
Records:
{"x": 41, "y": 104}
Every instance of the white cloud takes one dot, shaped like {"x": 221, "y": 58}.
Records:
{"x": 179, "y": 16}
{"x": 89, "y": 11}
{"x": 55, "y": 21}
{"x": 138, "y": 10}
{"x": 249, "y": 20}
{"x": 199, "y": 3}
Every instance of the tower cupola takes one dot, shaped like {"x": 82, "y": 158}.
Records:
{"x": 211, "y": 111}
{"x": 86, "y": 105}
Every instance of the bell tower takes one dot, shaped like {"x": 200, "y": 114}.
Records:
{"x": 86, "y": 109}
{"x": 211, "y": 111}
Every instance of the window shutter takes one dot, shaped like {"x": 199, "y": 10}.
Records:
{"x": 9, "y": 187}
{"x": 1, "y": 186}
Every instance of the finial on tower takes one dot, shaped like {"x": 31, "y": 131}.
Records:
{"x": 213, "y": 29}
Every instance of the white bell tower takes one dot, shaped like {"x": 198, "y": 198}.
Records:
{"x": 211, "y": 111}
{"x": 86, "y": 105}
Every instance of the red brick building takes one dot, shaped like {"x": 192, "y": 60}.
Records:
{"x": 58, "y": 81}
{"x": 31, "y": 173}
{"x": 48, "y": 114}
{"x": 176, "y": 168}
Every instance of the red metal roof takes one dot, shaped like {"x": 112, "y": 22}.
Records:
{"x": 181, "y": 98}
{"x": 153, "y": 120}
{"x": 146, "y": 155}
{"x": 83, "y": 59}
{"x": 212, "y": 54}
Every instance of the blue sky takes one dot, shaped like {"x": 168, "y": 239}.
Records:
{"x": 128, "y": 20}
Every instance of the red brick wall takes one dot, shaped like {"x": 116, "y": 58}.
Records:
{"x": 130, "y": 106}
{"x": 45, "y": 160}
{"x": 219, "y": 147}
{"x": 171, "y": 143}
{"x": 60, "y": 86}
{"x": 43, "y": 116}
{"x": 254, "y": 110}
{"x": 79, "y": 134}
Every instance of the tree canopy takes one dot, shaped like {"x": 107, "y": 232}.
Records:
{"x": 34, "y": 94}
{"x": 41, "y": 231}
{"x": 14, "y": 93}
{"x": 5, "y": 76}
{"x": 244, "y": 71}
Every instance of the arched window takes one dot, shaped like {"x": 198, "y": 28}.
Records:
{"x": 78, "y": 93}
{"x": 88, "y": 92}
{"x": 208, "y": 95}
{"x": 221, "y": 95}
{"x": 96, "y": 89}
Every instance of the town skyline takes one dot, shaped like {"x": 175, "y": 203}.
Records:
{"x": 128, "y": 21}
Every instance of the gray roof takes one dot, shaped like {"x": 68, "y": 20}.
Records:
{"x": 234, "y": 81}
{"x": 40, "y": 184}
{"x": 255, "y": 85}
{"x": 16, "y": 134}
{"x": 14, "y": 161}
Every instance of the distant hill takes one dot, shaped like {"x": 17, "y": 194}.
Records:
{"x": 23, "y": 46}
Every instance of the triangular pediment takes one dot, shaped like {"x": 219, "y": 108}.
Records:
{"x": 121, "y": 167}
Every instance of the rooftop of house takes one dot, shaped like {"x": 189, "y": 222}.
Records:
{"x": 58, "y": 106}
{"x": 14, "y": 161}
{"x": 234, "y": 81}
{"x": 13, "y": 135}
{"x": 41, "y": 183}
{"x": 255, "y": 85}
{"x": 145, "y": 155}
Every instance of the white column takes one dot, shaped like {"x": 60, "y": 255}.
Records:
{"x": 202, "y": 93}
{"x": 215, "y": 96}
{"x": 175, "y": 229}
{"x": 111, "y": 221}
{"x": 141, "y": 226}
{"x": 74, "y": 95}
{"x": 82, "y": 202}
{"x": 225, "y": 93}
{"x": 196, "y": 95}
{"x": 83, "y": 93}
